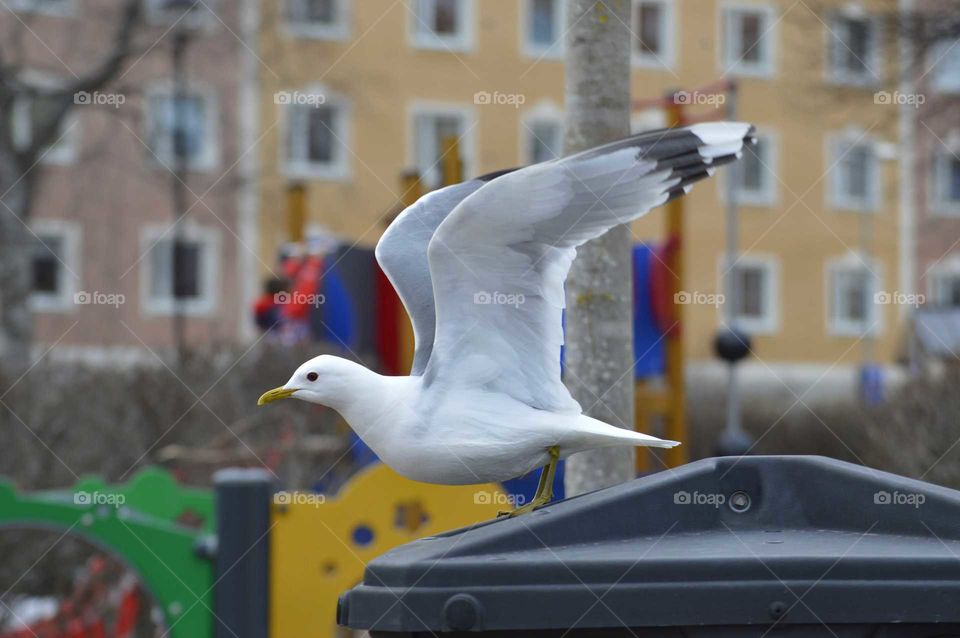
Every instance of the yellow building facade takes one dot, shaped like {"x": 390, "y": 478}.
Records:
{"x": 353, "y": 92}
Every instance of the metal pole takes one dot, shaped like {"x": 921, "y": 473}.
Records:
{"x": 731, "y": 287}
{"x": 243, "y": 542}
{"x": 178, "y": 183}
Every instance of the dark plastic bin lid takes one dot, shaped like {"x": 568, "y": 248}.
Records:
{"x": 724, "y": 543}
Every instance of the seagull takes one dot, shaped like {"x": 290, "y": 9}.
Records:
{"x": 480, "y": 268}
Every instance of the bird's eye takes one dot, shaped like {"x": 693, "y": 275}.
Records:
{"x": 312, "y": 376}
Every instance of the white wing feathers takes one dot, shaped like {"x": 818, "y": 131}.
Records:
{"x": 402, "y": 254}
{"x": 498, "y": 261}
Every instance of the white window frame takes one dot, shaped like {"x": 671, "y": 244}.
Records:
{"x": 338, "y": 31}
{"x": 64, "y": 151}
{"x": 70, "y": 236}
{"x": 938, "y": 62}
{"x": 467, "y": 141}
{"x": 420, "y": 37}
{"x": 151, "y": 238}
{"x": 200, "y": 17}
{"x": 939, "y": 181}
{"x": 209, "y": 159}
{"x": 835, "y": 151}
{"x": 769, "y": 196}
{"x": 337, "y": 170}
{"x": 69, "y": 7}
{"x": 841, "y": 326}
{"x": 731, "y": 63}
{"x": 668, "y": 58}
{"x": 936, "y": 272}
{"x": 769, "y": 323}
{"x": 647, "y": 120}
{"x": 546, "y": 112}
{"x": 873, "y": 74}
{"x": 534, "y": 49}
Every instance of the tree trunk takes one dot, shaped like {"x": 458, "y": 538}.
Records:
{"x": 599, "y": 331}
{"x": 16, "y": 244}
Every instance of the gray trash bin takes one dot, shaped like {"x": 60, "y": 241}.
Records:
{"x": 734, "y": 546}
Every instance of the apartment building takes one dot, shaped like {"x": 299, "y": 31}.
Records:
{"x": 934, "y": 122}
{"x": 368, "y": 89}
{"x": 111, "y": 269}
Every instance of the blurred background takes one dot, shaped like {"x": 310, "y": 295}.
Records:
{"x": 191, "y": 192}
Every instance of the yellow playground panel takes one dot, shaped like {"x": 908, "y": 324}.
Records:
{"x": 319, "y": 547}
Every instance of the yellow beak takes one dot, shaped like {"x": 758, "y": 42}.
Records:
{"x": 274, "y": 395}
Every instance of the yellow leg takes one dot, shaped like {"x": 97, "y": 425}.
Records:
{"x": 545, "y": 488}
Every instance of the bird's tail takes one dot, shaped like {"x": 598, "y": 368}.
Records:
{"x": 594, "y": 433}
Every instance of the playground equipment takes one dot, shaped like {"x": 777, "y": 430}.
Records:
{"x": 320, "y": 549}
{"x": 247, "y": 560}
{"x": 670, "y": 400}
{"x": 154, "y": 525}
{"x": 103, "y": 601}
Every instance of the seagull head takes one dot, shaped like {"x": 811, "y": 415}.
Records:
{"x": 325, "y": 380}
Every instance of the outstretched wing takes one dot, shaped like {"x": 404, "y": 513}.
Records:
{"x": 499, "y": 260}
{"x": 402, "y": 254}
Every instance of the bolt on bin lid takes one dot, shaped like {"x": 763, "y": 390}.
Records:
{"x": 731, "y": 541}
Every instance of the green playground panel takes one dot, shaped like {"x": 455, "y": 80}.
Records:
{"x": 151, "y": 523}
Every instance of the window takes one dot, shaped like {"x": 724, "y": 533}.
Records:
{"x": 653, "y": 33}
{"x": 755, "y": 174}
{"x": 944, "y": 65}
{"x": 749, "y": 39}
{"x": 442, "y": 24}
{"x": 542, "y": 132}
{"x": 946, "y": 182}
{"x": 852, "y": 310}
{"x": 316, "y": 139}
{"x": 180, "y": 271}
{"x": 322, "y": 19}
{"x": 755, "y": 301}
{"x": 54, "y": 265}
{"x": 182, "y": 125}
{"x": 63, "y": 149}
{"x": 192, "y": 13}
{"x": 544, "y": 27}
{"x": 433, "y": 128}
{"x": 854, "y": 50}
{"x": 49, "y": 7}
{"x": 945, "y": 287}
{"x": 854, "y": 175}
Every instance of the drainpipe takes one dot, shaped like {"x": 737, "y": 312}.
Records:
{"x": 907, "y": 222}
{"x": 248, "y": 115}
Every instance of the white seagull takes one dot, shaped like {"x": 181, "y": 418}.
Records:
{"x": 480, "y": 267}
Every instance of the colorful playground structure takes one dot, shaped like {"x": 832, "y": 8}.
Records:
{"x": 244, "y": 559}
